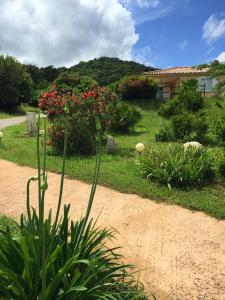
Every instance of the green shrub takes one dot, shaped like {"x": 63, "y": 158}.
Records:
{"x": 220, "y": 90}
{"x": 189, "y": 126}
{"x": 221, "y": 169}
{"x": 125, "y": 117}
{"x": 170, "y": 108}
{"x": 220, "y": 130}
{"x": 165, "y": 134}
{"x": 188, "y": 99}
{"x": 175, "y": 166}
{"x": 185, "y": 127}
{"x": 138, "y": 87}
{"x": 189, "y": 96}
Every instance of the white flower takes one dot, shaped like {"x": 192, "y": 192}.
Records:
{"x": 140, "y": 147}
{"x": 1, "y": 134}
{"x": 195, "y": 145}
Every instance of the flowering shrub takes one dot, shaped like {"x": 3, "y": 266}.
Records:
{"x": 137, "y": 87}
{"x": 83, "y": 110}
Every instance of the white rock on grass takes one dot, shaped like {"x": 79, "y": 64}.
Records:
{"x": 193, "y": 144}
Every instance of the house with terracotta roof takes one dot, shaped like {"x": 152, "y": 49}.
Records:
{"x": 170, "y": 79}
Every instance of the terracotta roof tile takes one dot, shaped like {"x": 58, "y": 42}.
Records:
{"x": 178, "y": 70}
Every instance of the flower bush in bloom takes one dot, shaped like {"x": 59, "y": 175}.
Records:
{"x": 137, "y": 87}
{"x": 83, "y": 110}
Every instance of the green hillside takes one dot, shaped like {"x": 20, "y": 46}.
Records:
{"x": 106, "y": 70}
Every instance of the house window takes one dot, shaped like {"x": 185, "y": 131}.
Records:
{"x": 206, "y": 84}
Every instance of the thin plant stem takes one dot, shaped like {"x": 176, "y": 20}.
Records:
{"x": 95, "y": 180}
{"x": 42, "y": 212}
{"x": 28, "y": 196}
{"x": 39, "y": 165}
{"x": 40, "y": 224}
{"x": 63, "y": 172}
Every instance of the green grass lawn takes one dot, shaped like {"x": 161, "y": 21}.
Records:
{"x": 17, "y": 111}
{"x": 118, "y": 171}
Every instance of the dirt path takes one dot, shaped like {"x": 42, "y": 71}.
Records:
{"x": 182, "y": 252}
{"x": 12, "y": 121}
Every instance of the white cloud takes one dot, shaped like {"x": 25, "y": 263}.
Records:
{"x": 213, "y": 29}
{"x": 221, "y": 57}
{"x": 182, "y": 45}
{"x": 144, "y": 56}
{"x": 59, "y": 32}
{"x": 147, "y": 10}
{"x": 140, "y": 3}
{"x": 148, "y": 3}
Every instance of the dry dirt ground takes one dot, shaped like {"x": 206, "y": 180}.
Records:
{"x": 182, "y": 252}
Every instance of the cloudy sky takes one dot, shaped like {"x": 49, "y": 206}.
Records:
{"x": 161, "y": 33}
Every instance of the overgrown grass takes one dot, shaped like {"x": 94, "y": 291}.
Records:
{"x": 17, "y": 111}
{"x": 119, "y": 171}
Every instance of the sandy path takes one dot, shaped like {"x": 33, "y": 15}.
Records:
{"x": 182, "y": 252}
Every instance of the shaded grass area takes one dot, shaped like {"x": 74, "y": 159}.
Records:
{"x": 17, "y": 111}
{"x": 118, "y": 171}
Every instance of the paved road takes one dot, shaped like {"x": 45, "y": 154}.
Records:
{"x": 11, "y": 121}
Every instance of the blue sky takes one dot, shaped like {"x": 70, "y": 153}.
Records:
{"x": 179, "y": 32}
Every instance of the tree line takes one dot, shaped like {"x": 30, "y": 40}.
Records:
{"x": 22, "y": 83}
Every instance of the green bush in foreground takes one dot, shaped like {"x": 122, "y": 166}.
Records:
{"x": 55, "y": 258}
{"x": 175, "y": 166}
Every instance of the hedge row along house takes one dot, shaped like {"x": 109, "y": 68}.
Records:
{"x": 170, "y": 79}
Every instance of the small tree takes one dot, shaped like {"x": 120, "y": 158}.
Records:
{"x": 188, "y": 99}
{"x": 73, "y": 81}
{"x": 16, "y": 85}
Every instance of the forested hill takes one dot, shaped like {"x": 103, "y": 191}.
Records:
{"x": 106, "y": 70}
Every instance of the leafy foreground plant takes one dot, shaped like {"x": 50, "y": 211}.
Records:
{"x": 177, "y": 166}
{"x": 58, "y": 258}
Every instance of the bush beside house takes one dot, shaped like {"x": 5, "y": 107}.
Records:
{"x": 136, "y": 87}
{"x": 187, "y": 119}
